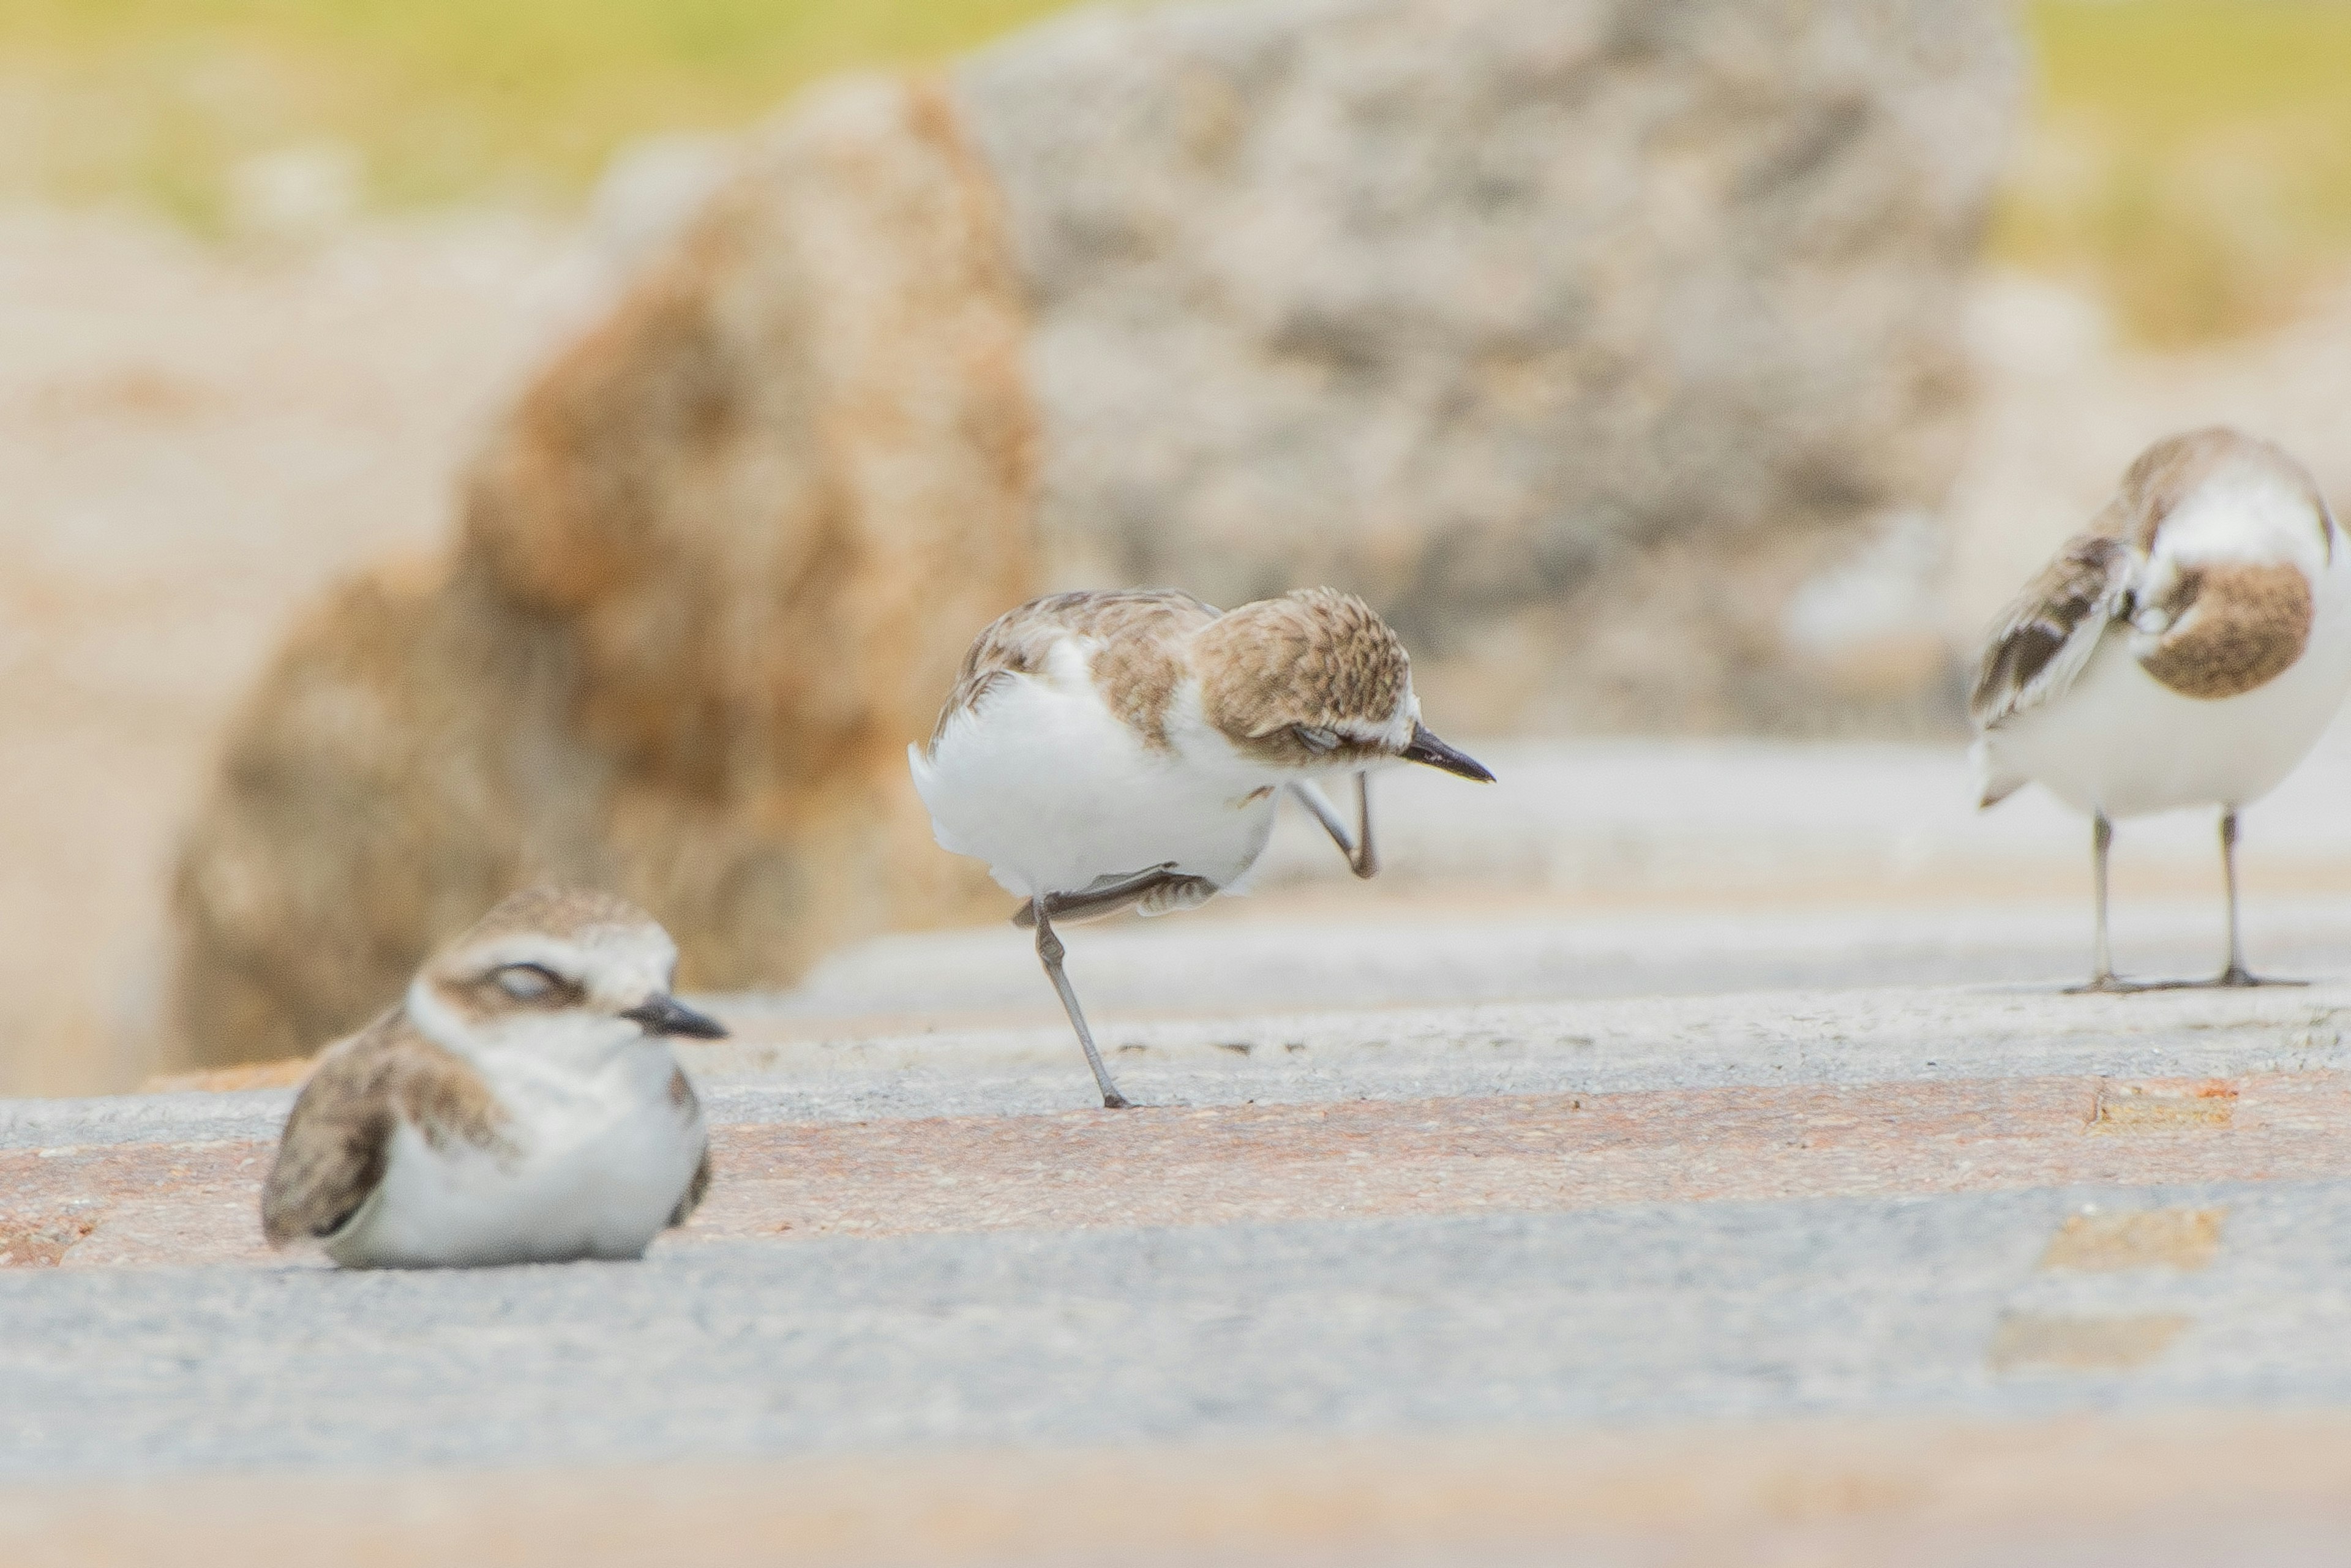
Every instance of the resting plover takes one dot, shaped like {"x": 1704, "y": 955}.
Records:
{"x": 2187, "y": 649}
{"x": 521, "y": 1105}
{"x": 1126, "y": 750}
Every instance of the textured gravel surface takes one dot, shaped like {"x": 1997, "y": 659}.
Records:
{"x": 1645, "y": 1314}
{"x": 1746, "y": 1207}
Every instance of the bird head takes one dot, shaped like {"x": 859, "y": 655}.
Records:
{"x": 555, "y": 965}
{"x": 1314, "y": 682}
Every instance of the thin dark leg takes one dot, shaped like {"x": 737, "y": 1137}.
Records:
{"x": 1362, "y": 859}
{"x": 1365, "y": 861}
{"x": 1050, "y": 953}
{"x": 1094, "y": 901}
{"x": 2235, "y": 974}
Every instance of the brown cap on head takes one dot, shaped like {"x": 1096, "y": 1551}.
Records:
{"x": 553, "y": 912}
{"x": 1315, "y": 660}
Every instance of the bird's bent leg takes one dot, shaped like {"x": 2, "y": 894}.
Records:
{"x": 1365, "y": 861}
{"x": 1107, "y": 899}
{"x": 1361, "y": 858}
{"x": 1309, "y": 794}
{"x": 1050, "y": 953}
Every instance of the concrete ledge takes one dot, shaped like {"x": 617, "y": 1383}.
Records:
{"x": 2221, "y": 1487}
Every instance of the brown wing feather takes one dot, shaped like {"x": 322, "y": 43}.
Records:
{"x": 689, "y": 1105}
{"x": 1018, "y": 642}
{"x": 696, "y": 1191}
{"x": 2042, "y": 641}
{"x": 338, "y": 1140}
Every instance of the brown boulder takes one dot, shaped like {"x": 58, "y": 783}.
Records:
{"x": 716, "y": 569}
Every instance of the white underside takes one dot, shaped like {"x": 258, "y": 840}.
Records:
{"x": 600, "y": 1160}
{"x": 1049, "y": 788}
{"x": 2119, "y": 741}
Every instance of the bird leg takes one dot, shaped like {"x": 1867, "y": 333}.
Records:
{"x": 1050, "y": 953}
{"x": 2236, "y": 974}
{"x": 2102, "y": 838}
{"x": 1363, "y": 859}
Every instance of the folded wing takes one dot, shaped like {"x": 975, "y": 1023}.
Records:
{"x": 2042, "y": 642}
{"x": 338, "y": 1141}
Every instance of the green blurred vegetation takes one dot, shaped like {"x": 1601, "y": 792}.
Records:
{"x": 444, "y": 99}
{"x": 2191, "y": 160}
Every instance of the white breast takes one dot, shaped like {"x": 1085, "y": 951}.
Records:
{"x": 1050, "y": 787}
{"x": 598, "y": 1165}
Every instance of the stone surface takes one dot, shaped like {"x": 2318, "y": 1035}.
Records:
{"x": 1975, "y": 1274}
{"x": 1978, "y": 1275}
{"x": 716, "y": 567}
{"x": 1611, "y": 347}
{"x": 2164, "y": 1491}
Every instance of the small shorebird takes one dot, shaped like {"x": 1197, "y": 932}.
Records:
{"x": 2187, "y": 649}
{"x": 1127, "y": 749}
{"x": 520, "y": 1104}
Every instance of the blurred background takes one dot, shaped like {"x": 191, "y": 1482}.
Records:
{"x": 445, "y": 445}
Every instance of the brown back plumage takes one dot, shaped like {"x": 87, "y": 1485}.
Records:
{"x": 1314, "y": 659}
{"x": 1138, "y": 665}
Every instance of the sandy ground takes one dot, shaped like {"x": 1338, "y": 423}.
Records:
{"x": 194, "y": 441}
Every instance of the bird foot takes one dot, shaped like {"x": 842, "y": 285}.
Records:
{"x": 1115, "y": 1101}
{"x": 2227, "y": 980}
{"x": 2236, "y": 977}
{"x": 2110, "y": 985}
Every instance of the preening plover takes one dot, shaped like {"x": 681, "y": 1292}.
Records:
{"x": 2187, "y": 649}
{"x": 520, "y": 1104}
{"x": 1127, "y": 749}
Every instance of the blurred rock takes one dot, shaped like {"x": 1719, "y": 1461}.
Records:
{"x": 716, "y": 568}
{"x": 1604, "y": 344}
{"x": 652, "y": 190}
{"x": 1578, "y": 335}
{"x": 295, "y": 194}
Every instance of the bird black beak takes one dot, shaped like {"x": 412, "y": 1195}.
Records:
{"x": 1426, "y": 748}
{"x": 667, "y": 1015}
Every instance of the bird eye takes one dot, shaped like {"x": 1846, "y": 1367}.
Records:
{"x": 526, "y": 982}
{"x": 1315, "y": 738}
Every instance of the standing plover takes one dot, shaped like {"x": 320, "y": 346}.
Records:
{"x": 520, "y": 1104}
{"x": 2186, "y": 649}
{"x": 1126, "y": 750}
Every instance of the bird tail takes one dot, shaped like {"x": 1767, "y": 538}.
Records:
{"x": 1993, "y": 783}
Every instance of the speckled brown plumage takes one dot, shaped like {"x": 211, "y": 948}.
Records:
{"x": 1312, "y": 659}
{"x": 339, "y": 1138}
{"x": 554, "y": 911}
{"x": 1137, "y": 664}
